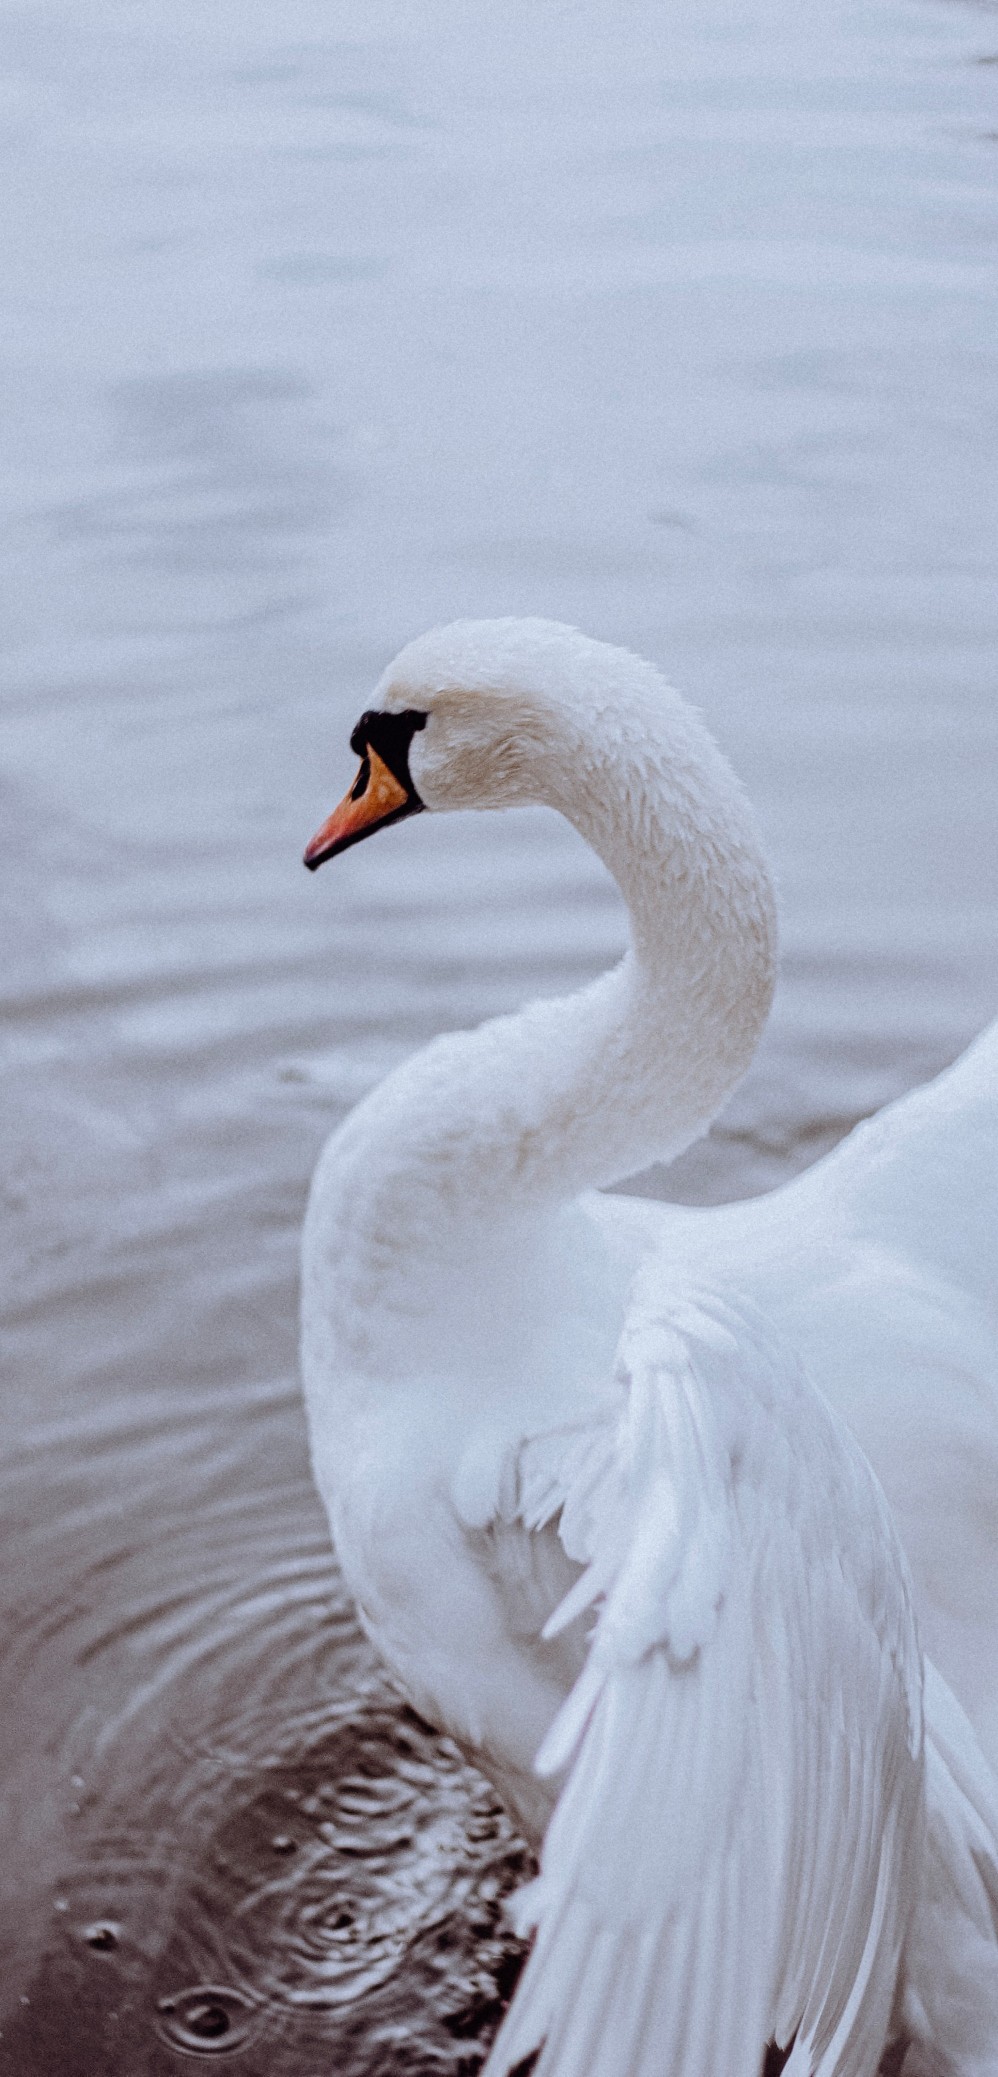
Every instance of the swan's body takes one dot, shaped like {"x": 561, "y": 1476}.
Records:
{"x": 527, "y": 1404}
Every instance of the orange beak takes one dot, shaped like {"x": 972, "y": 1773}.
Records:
{"x": 375, "y": 798}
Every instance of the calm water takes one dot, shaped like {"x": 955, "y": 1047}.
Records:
{"x": 324, "y": 321}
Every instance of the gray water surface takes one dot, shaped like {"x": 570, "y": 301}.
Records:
{"x": 322, "y": 322}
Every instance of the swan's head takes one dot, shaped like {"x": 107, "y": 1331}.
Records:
{"x": 481, "y": 714}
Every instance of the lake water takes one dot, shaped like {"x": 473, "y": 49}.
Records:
{"x": 324, "y": 321}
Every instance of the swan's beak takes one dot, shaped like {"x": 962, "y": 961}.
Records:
{"x": 375, "y": 798}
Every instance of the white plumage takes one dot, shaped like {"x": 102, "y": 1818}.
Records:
{"x": 740, "y": 1820}
{"x": 583, "y": 1481}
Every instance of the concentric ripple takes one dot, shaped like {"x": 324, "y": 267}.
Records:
{"x": 211, "y": 2019}
{"x": 376, "y": 1843}
{"x": 262, "y": 1853}
{"x": 354, "y": 1895}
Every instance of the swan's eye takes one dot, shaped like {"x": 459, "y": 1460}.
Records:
{"x": 391, "y": 736}
{"x": 358, "y": 735}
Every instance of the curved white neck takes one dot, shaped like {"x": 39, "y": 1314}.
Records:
{"x": 449, "y": 1165}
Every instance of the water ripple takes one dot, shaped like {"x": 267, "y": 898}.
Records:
{"x": 262, "y": 1851}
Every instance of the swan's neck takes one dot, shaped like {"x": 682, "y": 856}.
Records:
{"x": 433, "y": 1197}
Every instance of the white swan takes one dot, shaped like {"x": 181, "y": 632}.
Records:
{"x": 594, "y": 1512}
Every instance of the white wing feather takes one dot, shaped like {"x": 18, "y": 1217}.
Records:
{"x": 730, "y": 1857}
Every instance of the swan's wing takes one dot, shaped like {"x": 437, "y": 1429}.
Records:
{"x": 951, "y": 1958}
{"x": 741, "y": 1753}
